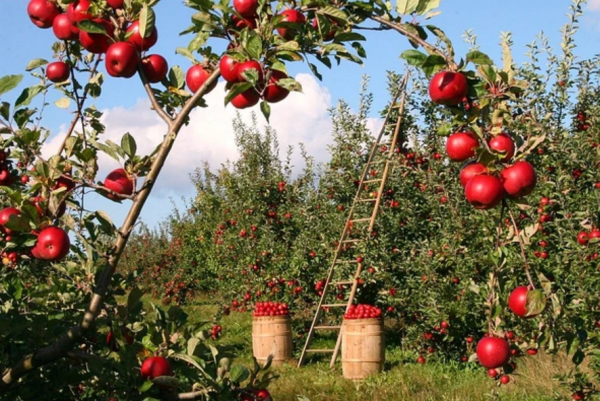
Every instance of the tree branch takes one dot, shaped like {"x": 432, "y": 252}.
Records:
{"x": 518, "y": 234}
{"x": 155, "y": 106}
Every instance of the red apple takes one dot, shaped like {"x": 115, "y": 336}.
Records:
{"x": 196, "y": 76}
{"x": 5, "y": 216}
{"x": 241, "y": 23}
{"x": 136, "y": 39}
{"x": 155, "y": 68}
{"x": 583, "y": 238}
{"x": 274, "y": 93}
{"x": 116, "y": 3}
{"x": 97, "y": 42}
{"x": 248, "y": 66}
{"x": 228, "y": 69}
{"x": 156, "y": 366}
{"x": 517, "y": 301}
{"x": 120, "y": 182}
{"x": 448, "y": 88}
{"x": 42, "y": 13}
{"x": 78, "y": 11}
{"x": 262, "y": 395}
{"x": 595, "y": 233}
{"x": 519, "y": 179}
{"x": 461, "y": 146}
{"x": 484, "y": 191}
{"x": 42, "y": 206}
{"x": 503, "y": 143}
{"x": 470, "y": 170}
{"x": 64, "y": 29}
{"x": 246, "y": 8}
{"x": 290, "y": 15}
{"x": 52, "y": 244}
{"x": 122, "y": 59}
{"x": 246, "y": 99}
{"x": 493, "y": 352}
{"x": 57, "y": 71}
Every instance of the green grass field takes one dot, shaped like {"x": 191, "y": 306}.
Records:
{"x": 401, "y": 380}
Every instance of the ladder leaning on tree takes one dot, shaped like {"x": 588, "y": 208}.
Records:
{"x": 395, "y": 111}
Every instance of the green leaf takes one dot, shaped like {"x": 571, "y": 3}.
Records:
{"x": 35, "y": 63}
{"x": 236, "y": 89}
{"x": 254, "y": 46}
{"x": 105, "y": 221}
{"x": 27, "y": 95}
{"x": 478, "y": 58}
{"x": 147, "y": 21}
{"x": 185, "y": 53}
{"x": 128, "y": 145}
{"x": 536, "y": 302}
{"x": 239, "y": 373}
{"x": 133, "y": 298}
{"x": 92, "y": 27}
{"x": 177, "y": 77}
{"x": 414, "y": 57}
{"x": 406, "y": 7}
{"x": 9, "y": 82}
{"x": 63, "y": 103}
{"x": 191, "y": 345}
{"x": 442, "y": 36}
{"x": 5, "y": 110}
{"x": 427, "y": 5}
{"x": 265, "y": 109}
{"x": 334, "y": 12}
{"x": 147, "y": 385}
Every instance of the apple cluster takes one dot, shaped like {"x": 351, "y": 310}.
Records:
{"x": 485, "y": 184}
{"x": 262, "y": 309}
{"x": 584, "y": 237}
{"x": 156, "y": 366}
{"x": 362, "y": 311}
{"x": 215, "y": 331}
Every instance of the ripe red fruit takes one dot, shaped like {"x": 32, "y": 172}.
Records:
{"x": 461, "y": 146}
{"x": 228, "y": 69}
{"x": 293, "y": 16}
{"x": 156, "y": 366}
{"x": 64, "y": 29}
{"x": 492, "y": 352}
{"x": 120, "y": 182}
{"x": 583, "y": 238}
{"x": 196, "y": 76}
{"x": 594, "y": 234}
{"x": 78, "y": 11}
{"x": 504, "y": 379}
{"x": 246, "y": 99}
{"x": 57, "y": 71}
{"x": 274, "y": 93}
{"x": 519, "y": 179}
{"x": 503, "y": 143}
{"x": 448, "y": 88}
{"x": 116, "y": 3}
{"x": 492, "y": 373}
{"x": 155, "y": 68}
{"x": 97, "y": 42}
{"x": 517, "y": 301}
{"x": 5, "y": 216}
{"x": 421, "y": 360}
{"x": 470, "y": 170}
{"x": 246, "y": 8}
{"x": 484, "y": 191}
{"x": 52, "y": 244}
{"x": 122, "y": 59}
{"x": 262, "y": 395}
{"x": 136, "y": 39}
{"x": 42, "y": 13}
{"x": 578, "y": 395}
{"x": 248, "y": 66}
{"x": 532, "y": 351}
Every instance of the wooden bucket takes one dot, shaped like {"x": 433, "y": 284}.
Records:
{"x": 363, "y": 348}
{"x": 272, "y": 334}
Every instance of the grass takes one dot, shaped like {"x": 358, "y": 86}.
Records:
{"x": 533, "y": 379}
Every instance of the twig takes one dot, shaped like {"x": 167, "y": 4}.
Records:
{"x": 161, "y": 112}
{"x": 517, "y": 233}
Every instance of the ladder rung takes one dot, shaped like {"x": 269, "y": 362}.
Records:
{"x": 396, "y": 106}
{"x": 351, "y": 241}
{"x": 361, "y": 220}
{"x": 334, "y": 305}
{"x": 319, "y": 350}
{"x": 342, "y": 283}
{"x": 370, "y": 181}
{"x": 328, "y": 327}
{"x": 367, "y": 200}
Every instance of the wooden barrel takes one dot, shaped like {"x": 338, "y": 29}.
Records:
{"x": 272, "y": 334}
{"x": 363, "y": 348}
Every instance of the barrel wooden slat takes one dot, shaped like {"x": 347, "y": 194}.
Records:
{"x": 363, "y": 348}
{"x": 272, "y": 333}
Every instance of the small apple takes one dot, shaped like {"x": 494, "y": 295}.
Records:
{"x": 155, "y": 68}
{"x": 42, "y": 13}
{"x": 503, "y": 143}
{"x": 64, "y": 29}
{"x": 583, "y": 238}
{"x": 448, "y": 88}
{"x": 246, "y": 99}
{"x": 461, "y": 146}
{"x": 78, "y": 11}
{"x": 519, "y": 179}
{"x": 246, "y": 8}
{"x": 119, "y": 181}
{"x": 262, "y": 395}
{"x": 274, "y": 93}
{"x": 240, "y": 23}
{"x": 116, "y": 3}
{"x": 249, "y": 66}
{"x": 197, "y": 76}
{"x": 57, "y": 71}
{"x": 291, "y": 15}
{"x": 470, "y": 170}
{"x": 5, "y": 217}
{"x": 156, "y": 366}
{"x": 122, "y": 59}
{"x": 136, "y": 39}
{"x": 97, "y": 43}
{"x": 52, "y": 244}
{"x": 228, "y": 69}
{"x": 484, "y": 191}
{"x": 595, "y": 233}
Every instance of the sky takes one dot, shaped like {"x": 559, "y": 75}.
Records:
{"x": 301, "y": 117}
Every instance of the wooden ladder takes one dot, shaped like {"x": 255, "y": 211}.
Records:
{"x": 395, "y": 111}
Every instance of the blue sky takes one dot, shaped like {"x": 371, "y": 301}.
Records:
{"x": 299, "y": 118}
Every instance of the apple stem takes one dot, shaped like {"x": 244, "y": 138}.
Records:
{"x": 518, "y": 234}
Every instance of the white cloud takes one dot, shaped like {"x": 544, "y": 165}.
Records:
{"x": 594, "y": 5}
{"x": 302, "y": 117}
